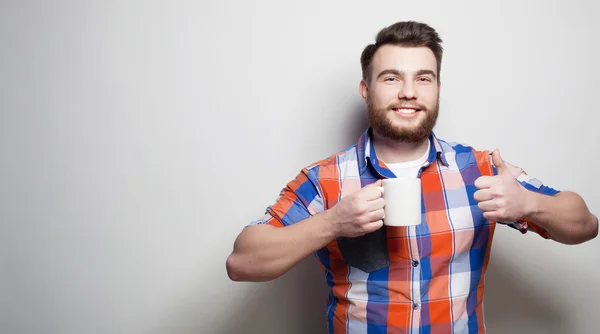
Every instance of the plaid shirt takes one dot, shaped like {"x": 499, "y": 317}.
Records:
{"x": 435, "y": 280}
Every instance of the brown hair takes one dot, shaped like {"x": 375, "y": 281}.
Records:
{"x": 408, "y": 33}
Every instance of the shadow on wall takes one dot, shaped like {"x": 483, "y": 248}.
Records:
{"x": 294, "y": 303}
{"x": 510, "y": 307}
{"x": 360, "y": 122}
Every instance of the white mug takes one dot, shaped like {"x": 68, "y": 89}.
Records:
{"x": 402, "y": 201}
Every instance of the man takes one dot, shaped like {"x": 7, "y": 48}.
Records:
{"x": 421, "y": 279}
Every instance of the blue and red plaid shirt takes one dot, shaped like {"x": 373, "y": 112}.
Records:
{"x": 435, "y": 279}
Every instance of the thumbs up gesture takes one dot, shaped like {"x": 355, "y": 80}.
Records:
{"x": 501, "y": 197}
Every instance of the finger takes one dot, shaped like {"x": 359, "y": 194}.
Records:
{"x": 487, "y": 206}
{"x": 483, "y": 182}
{"x": 371, "y": 193}
{"x": 375, "y": 215}
{"x": 492, "y": 215}
{"x": 374, "y": 226}
{"x": 483, "y": 195}
{"x": 376, "y": 204}
{"x": 377, "y": 183}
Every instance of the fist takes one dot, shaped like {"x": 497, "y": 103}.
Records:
{"x": 501, "y": 197}
{"x": 359, "y": 213}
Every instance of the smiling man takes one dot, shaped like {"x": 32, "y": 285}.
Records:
{"x": 419, "y": 279}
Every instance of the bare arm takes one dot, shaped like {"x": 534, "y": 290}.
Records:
{"x": 265, "y": 252}
{"x": 564, "y": 216}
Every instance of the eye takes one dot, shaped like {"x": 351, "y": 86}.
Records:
{"x": 390, "y": 79}
{"x": 424, "y": 79}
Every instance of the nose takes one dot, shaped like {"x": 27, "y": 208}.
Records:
{"x": 407, "y": 91}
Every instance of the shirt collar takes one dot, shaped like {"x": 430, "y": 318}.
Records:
{"x": 366, "y": 151}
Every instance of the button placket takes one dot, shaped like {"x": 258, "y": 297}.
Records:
{"x": 416, "y": 271}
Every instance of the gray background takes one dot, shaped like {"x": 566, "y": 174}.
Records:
{"x": 139, "y": 137}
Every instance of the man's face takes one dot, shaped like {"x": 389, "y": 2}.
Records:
{"x": 403, "y": 93}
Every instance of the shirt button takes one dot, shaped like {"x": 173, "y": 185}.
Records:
{"x": 415, "y": 263}
{"x": 415, "y": 306}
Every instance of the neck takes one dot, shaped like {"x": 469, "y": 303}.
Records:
{"x": 391, "y": 151}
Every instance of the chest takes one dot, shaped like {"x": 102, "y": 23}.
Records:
{"x": 449, "y": 212}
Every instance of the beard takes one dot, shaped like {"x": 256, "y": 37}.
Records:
{"x": 383, "y": 125}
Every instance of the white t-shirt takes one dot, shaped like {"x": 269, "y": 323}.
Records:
{"x": 410, "y": 168}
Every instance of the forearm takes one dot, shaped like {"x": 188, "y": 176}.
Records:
{"x": 264, "y": 252}
{"x": 564, "y": 216}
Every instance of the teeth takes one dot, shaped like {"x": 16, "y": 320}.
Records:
{"x": 406, "y": 111}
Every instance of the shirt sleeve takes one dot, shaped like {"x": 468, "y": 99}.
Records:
{"x": 532, "y": 184}
{"x": 300, "y": 199}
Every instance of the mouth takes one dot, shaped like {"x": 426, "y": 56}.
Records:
{"x": 406, "y": 110}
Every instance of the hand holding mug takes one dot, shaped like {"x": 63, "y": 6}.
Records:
{"x": 359, "y": 213}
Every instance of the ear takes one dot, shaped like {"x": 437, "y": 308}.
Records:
{"x": 363, "y": 89}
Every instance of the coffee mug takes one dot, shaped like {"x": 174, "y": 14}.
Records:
{"x": 402, "y": 201}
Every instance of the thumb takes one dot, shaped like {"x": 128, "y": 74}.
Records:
{"x": 499, "y": 163}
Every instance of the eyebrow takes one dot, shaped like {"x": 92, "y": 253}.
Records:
{"x": 401, "y": 73}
